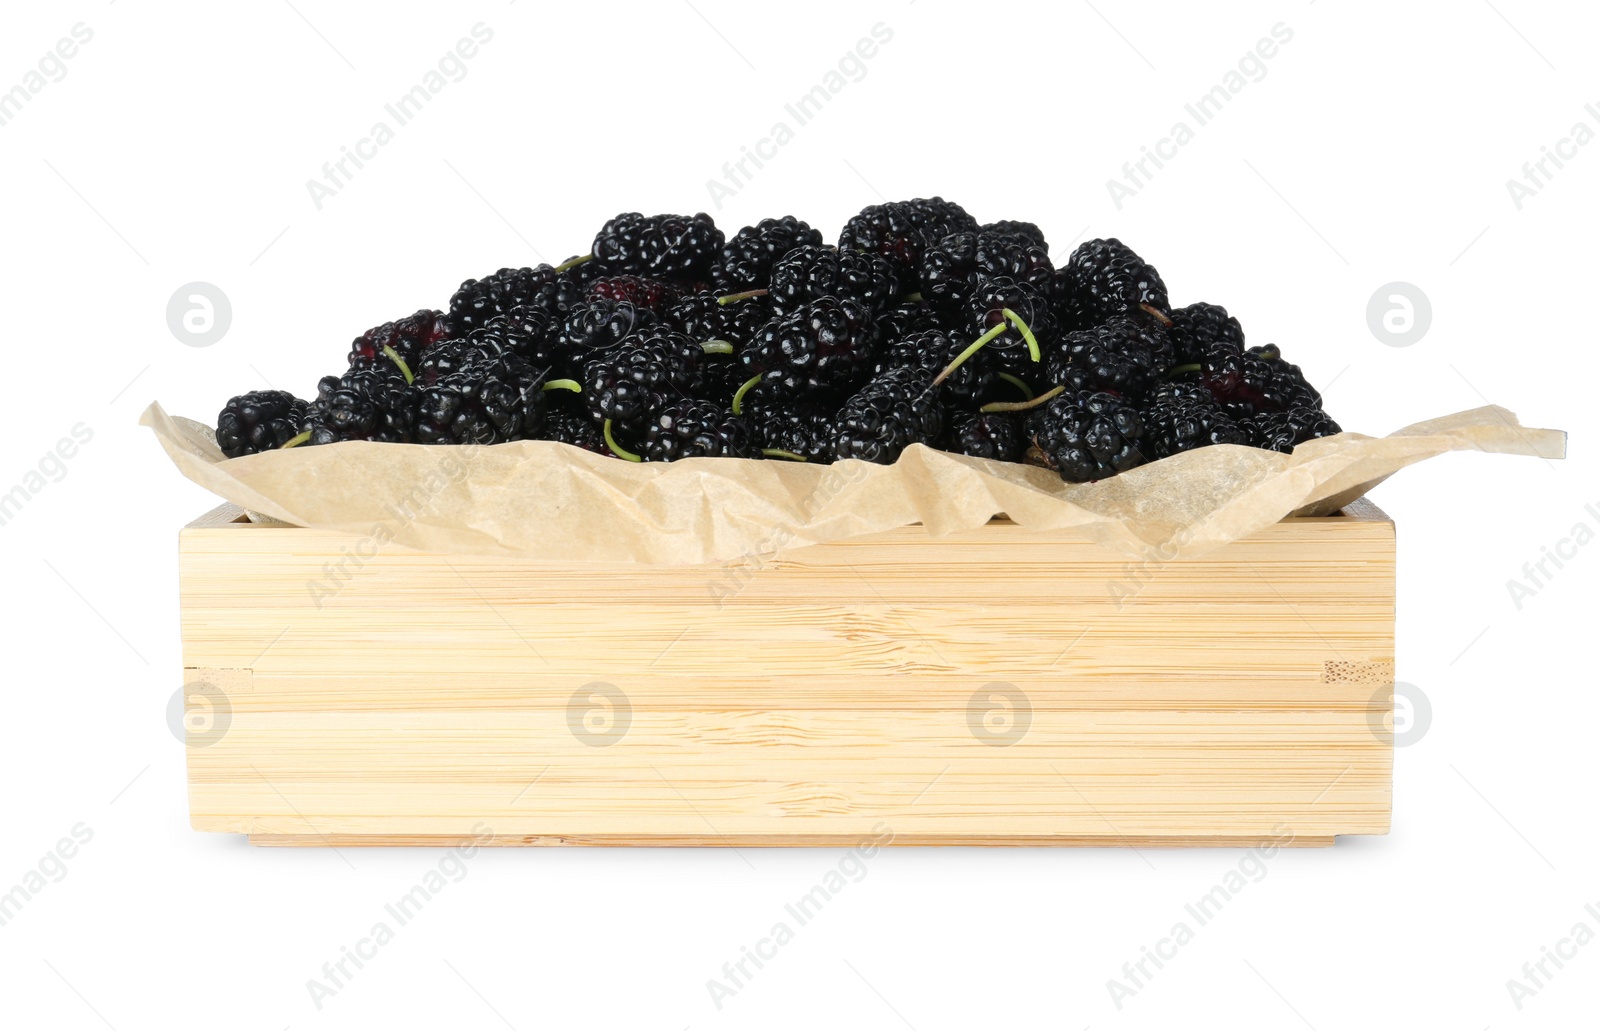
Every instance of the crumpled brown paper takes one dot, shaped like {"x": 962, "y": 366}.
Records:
{"x": 541, "y": 498}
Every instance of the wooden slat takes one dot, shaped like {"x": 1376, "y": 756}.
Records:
{"x": 379, "y": 696}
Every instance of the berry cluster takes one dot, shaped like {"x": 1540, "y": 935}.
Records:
{"x": 669, "y": 340}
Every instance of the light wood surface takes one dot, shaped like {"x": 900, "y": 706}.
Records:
{"x": 833, "y": 694}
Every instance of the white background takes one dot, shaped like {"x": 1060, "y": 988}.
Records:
{"x": 1376, "y": 149}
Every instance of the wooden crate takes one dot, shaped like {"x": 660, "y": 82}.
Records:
{"x": 997, "y": 687}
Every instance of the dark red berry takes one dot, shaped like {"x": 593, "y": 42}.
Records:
{"x": 407, "y": 338}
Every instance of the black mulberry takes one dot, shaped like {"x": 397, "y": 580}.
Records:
{"x": 807, "y": 274}
{"x": 628, "y": 384}
{"x": 375, "y": 403}
{"x": 1103, "y": 279}
{"x": 746, "y": 260}
{"x": 662, "y": 246}
{"x": 471, "y": 394}
{"x": 260, "y": 420}
{"x": 825, "y": 345}
{"x": 888, "y": 415}
{"x": 994, "y": 435}
{"x": 953, "y": 268}
{"x": 1086, "y": 436}
{"x": 698, "y": 429}
{"x": 803, "y": 428}
{"x": 404, "y": 339}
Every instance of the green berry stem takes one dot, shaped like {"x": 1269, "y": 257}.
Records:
{"x": 574, "y": 262}
{"x": 773, "y": 452}
{"x": 1009, "y": 319}
{"x": 1027, "y": 334}
{"x": 617, "y": 449}
{"x": 1179, "y": 370}
{"x": 717, "y": 347}
{"x": 738, "y": 396}
{"x": 296, "y": 440}
{"x": 564, "y": 384}
{"x": 912, "y": 298}
{"x": 972, "y": 349}
{"x": 1022, "y": 406}
{"x": 394, "y": 356}
{"x": 743, "y": 296}
{"x": 1017, "y": 381}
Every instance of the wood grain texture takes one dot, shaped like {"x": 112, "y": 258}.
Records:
{"x": 992, "y": 687}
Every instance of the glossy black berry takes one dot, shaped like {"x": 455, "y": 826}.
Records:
{"x": 479, "y": 300}
{"x": 530, "y": 333}
{"x": 805, "y": 428}
{"x": 599, "y": 325}
{"x": 888, "y": 415}
{"x": 260, "y": 420}
{"x": 1026, "y": 231}
{"x": 901, "y": 230}
{"x": 1281, "y": 431}
{"x": 575, "y": 427}
{"x": 1125, "y": 355}
{"x": 702, "y": 316}
{"x": 806, "y": 274}
{"x": 953, "y": 268}
{"x": 474, "y": 392}
{"x": 987, "y": 309}
{"x": 938, "y": 218}
{"x": 719, "y": 377}
{"x": 1086, "y": 436}
{"x": 1199, "y": 328}
{"x": 746, "y": 260}
{"x": 1103, "y": 279}
{"x": 1184, "y": 419}
{"x": 404, "y": 338}
{"x": 630, "y": 383}
{"x": 373, "y": 403}
{"x": 1256, "y": 380}
{"x": 906, "y": 318}
{"x": 642, "y": 291}
{"x": 931, "y": 350}
{"x": 698, "y": 429}
{"x": 662, "y": 246}
{"x": 994, "y": 435}
{"x": 825, "y": 345}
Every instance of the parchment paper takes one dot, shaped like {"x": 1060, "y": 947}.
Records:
{"x": 542, "y": 498}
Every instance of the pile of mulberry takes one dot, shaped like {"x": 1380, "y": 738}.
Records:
{"x": 915, "y": 326}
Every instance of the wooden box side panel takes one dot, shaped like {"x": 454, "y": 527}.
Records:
{"x": 994, "y": 686}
